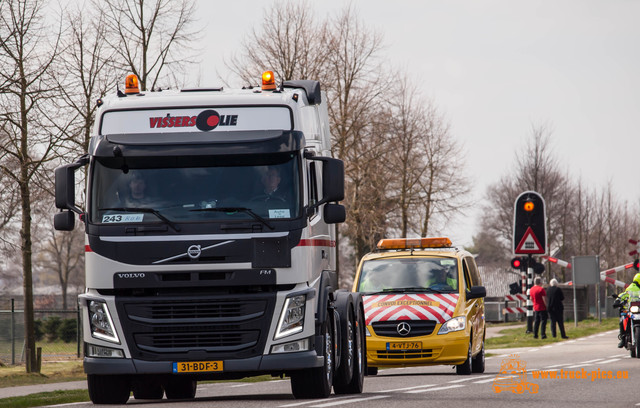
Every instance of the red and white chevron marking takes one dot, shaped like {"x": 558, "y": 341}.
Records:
{"x": 508, "y": 310}
{"x": 438, "y": 307}
{"x": 517, "y": 297}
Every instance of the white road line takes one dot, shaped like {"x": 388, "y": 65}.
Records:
{"x": 464, "y": 379}
{"x": 610, "y": 361}
{"x": 591, "y": 361}
{"x": 349, "y": 401}
{"x": 485, "y": 381}
{"x": 579, "y": 365}
{"x": 241, "y": 385}
{"x": 582, "y": 338}
{"x": 616, "y": 356}
{"x": 570, "y": 341}
{"x": 546, "y": 347}
{"x": 298, "y": 404}
{"x": 535, "y": 349}
{"x": 448, "y": 387}
{"x": 558, "y": 365}
{"x": 407, "y": 388}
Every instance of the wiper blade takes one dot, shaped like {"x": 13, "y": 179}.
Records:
{"x": 144, "y": 210}
{"x": 236, "y": 209}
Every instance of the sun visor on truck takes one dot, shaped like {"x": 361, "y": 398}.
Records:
{"x": 198, "y": 144}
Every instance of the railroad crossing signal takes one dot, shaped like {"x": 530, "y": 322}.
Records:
{"x": 530, "y": 225}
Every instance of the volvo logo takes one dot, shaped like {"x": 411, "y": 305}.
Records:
{"x": 194, "y": 251}
{"x": 403, "y": 328}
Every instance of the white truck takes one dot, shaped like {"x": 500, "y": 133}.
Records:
{"x": 210, "y": 245}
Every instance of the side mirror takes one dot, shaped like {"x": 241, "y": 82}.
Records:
{"x": 64, "y": 221}
{"x": 334, "y": 213}
{"x": 65, "y": 191}
{"x": 332, "y": 179}
{"x": 477, "y": 292}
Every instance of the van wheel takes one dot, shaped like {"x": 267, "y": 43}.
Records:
{"x": 317, "y": 382}
{"x": 465, "y": 368}
{"x": 478, "y": 361}
{"x": 108, "y": 389}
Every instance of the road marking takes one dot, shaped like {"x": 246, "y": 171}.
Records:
{"x": 609, "y": 361}
{"x": 546, "y": 347}
{"x": 570, "y": 341}
{"x": 558, "y": 365}
{"x": 464, "y": 379}
{"x": 297, "y": 404}
{"x": 409, "y": 388}
{"x": 591, "y": 361}
{"x": 241, "y": 385}
{"x": 535, "y": 349}
{"x": 448, "y": 387}
{"x": 349, "y": 401}
{"x": 582, "y": 338}
{"x": 489, "y": 380}
{"x": 580, "y": 365}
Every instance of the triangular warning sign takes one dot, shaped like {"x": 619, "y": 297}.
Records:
{"x": 529, "y": 244}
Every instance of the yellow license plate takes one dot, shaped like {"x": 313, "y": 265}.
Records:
{"x": 197, "y": 366}
{"x": 405, "y": 345}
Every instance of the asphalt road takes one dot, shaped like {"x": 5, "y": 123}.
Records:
{"x": 593, "y": 357}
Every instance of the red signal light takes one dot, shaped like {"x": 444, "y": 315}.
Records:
{"x": 516, "y": 263}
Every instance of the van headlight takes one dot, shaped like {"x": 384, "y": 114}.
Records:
{"x": 453, "y": 325}
{"x": 292, "y": 316}
{"x": 634, "y": 309}
{"x": 100, "y": 322}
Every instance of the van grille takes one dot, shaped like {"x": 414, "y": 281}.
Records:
{"x": 405, "y": 354}
{"x": 418, "y": 328}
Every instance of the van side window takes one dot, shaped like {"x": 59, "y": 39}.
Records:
{"x": 313, "y": 186}
{"x": 467, "y": 279}
{"x": 470, "y": 265}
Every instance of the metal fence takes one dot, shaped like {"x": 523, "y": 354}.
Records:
{"x": 58, "y": 333}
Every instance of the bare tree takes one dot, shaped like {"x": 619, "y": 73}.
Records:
{"x": 26, "y": 55}
{"x": 153, "y": 39}
{"x": 290, "y": 42}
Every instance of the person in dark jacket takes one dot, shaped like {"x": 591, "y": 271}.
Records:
{"x": 556, "y": 308}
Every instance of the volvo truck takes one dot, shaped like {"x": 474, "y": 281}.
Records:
{"x": 210, "y": 245}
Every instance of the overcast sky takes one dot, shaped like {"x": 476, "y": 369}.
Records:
{"x": 495, "y": 69}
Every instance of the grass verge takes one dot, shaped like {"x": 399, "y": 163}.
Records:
{"x": 517, "y": 337}
{"x": 45, "y": 398}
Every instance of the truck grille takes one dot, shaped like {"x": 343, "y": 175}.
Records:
{"x": 203, "y": 326}
{"x": 418, "y": 328}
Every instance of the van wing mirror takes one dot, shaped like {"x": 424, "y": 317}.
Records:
{"x": 65, "y": 185}
{"x": 477, "y": 292}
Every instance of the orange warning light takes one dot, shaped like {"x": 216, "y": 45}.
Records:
{"x": 131, "y": 84}
{"x": 268, "y": 81}
{"x": 528, "y": 206}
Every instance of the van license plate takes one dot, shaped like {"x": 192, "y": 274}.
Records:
{"x": 197, "y": 366}
{"x": 405, "y": 345}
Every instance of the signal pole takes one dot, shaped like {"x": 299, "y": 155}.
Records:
{"x": 529, "y": 301}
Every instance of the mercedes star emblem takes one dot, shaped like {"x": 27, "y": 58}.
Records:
{"x": 403, "y": 328}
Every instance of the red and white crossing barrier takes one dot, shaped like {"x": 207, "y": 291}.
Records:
{"x": 517, "y": 297}
{"x": 603, "y": 274}
{"x": 508, "y": 310}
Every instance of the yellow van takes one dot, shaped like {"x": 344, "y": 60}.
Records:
{"x": 424, "y": 305}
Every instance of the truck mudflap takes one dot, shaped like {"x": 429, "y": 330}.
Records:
{"x": 268, "y": 363}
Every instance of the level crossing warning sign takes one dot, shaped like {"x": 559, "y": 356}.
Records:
{"x": 529, "y": 244}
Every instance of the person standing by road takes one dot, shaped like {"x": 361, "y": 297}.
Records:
{"x": 539, "y": 297}
{"x": 556, "y": 308}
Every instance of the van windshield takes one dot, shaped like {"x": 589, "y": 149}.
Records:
{"x": 186, "y": 191}
{"x": 409, "y": 274}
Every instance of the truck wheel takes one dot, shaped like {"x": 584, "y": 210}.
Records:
{"x": 108, "y": 389}
{"x": 465, "y": 368}
{"x": 145, "y": 388}
{"x": 372, "y": 371}
{"x": 316, "y": 382}
{"x": 180, "y": 388}
{"x": 344, "y": 304}
{"x": 356, "y": 385}
{"x": 477, "y": 365}
{"x": 637, "y": 341}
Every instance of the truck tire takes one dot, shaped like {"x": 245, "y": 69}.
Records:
{"x": 147, "y": 388}
{"x": 344, "y": 373}
{"x": 108, "y": 389}
{"x": 356, "y": 385}
{"x": 316, "y": 382}
{"x": 180, "y": 388}
{"x": 466, "y": 367}
{"x": 477, "y": 365}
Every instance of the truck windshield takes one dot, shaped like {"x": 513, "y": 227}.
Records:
{"x": 139, "y": 191}
{"x": 413, "y": 274}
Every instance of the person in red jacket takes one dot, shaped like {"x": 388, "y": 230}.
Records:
{"x": 539, "y": 298}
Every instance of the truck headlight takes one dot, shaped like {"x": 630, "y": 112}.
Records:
{"x": 634, "y": 309}
{"x": 100, "y": 322}
{"x": 452, "y": 325}
{"x": 292, "y": 316}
